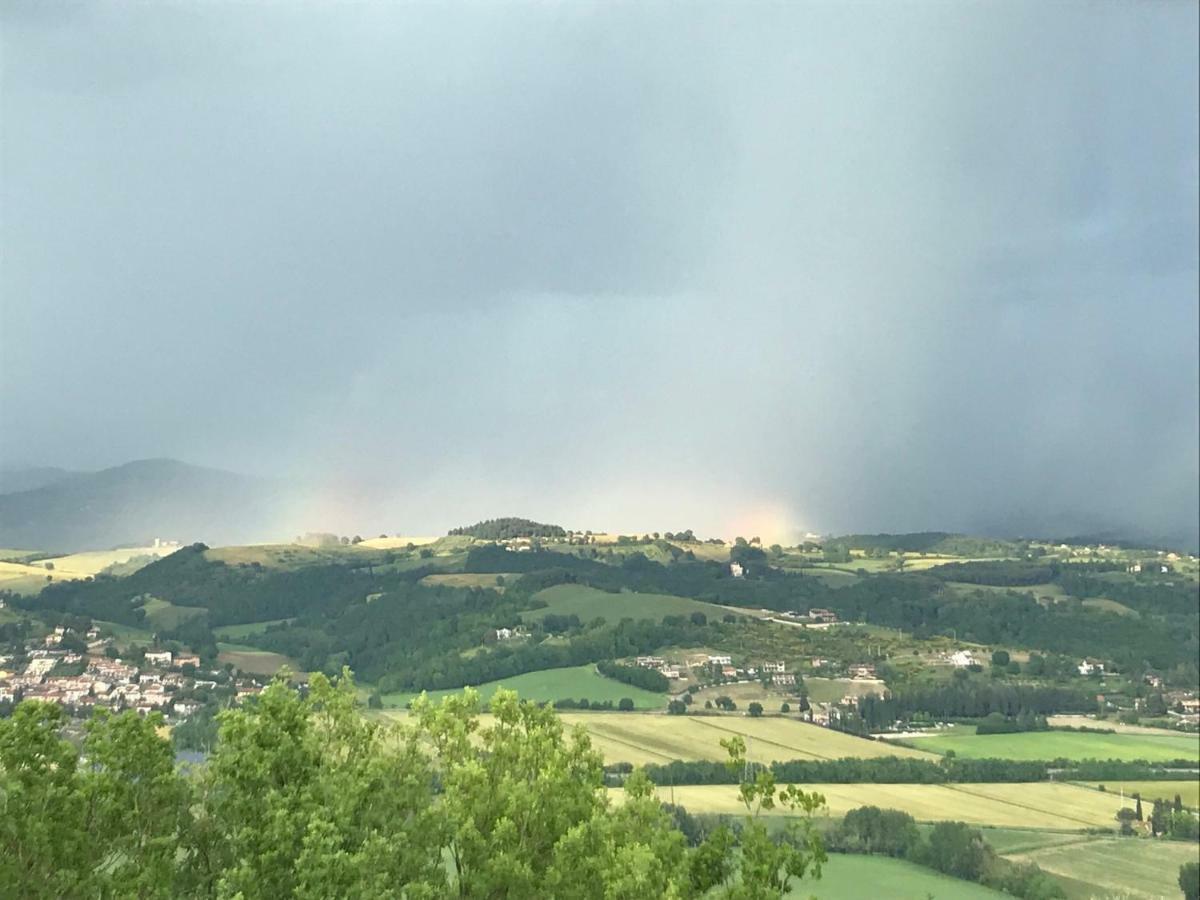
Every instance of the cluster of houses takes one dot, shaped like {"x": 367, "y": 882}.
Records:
{"x": 505, "y": 634}
{"x": 658, "y": 664}
{"x": 108, "y": 682}
{"x": 719, "y": 668}
{"x": 814, "y": 617}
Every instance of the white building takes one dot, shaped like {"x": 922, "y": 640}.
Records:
{"x": 736, "y": 570}
{"x": 962, "y": 658}
{"x": 158, "y": 658}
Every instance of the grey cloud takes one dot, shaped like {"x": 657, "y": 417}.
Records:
{"x": 810, "y": 266}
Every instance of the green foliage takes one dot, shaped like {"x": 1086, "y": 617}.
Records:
{"x": 950, "y": 847}
{"x": 638, "y": 676}
{"x": 1189, "y": 880}
{"x": 105, "y": 829}
{"x": 508, "y": 528}
{"x": 768, "y": 863}
{"x": 937, "y": 543}
{"x": 303, "y": 797}
{"x": 867, "y": 770}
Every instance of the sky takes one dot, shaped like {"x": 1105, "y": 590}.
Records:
{"x": 740, "y": 267}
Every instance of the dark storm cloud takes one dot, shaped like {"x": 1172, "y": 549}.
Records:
{"x": 719, "y": 266}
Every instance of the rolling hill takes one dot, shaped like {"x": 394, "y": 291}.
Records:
{"x": 134, "y": 503}
{"x": 29, "y": 478}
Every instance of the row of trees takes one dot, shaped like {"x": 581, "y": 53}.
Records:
{"x": 1024, "y": 704}
{"x": 638, "y": 676}
{"x": 852, "y": 770}
{"x": 304, "y": 798}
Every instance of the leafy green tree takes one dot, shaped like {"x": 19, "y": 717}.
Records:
{"x": 1159, "y": 817}
{"x": 625, "y": 704}
{"x": 767, "y": 864}
{"x": 45, "y": 846}
{"x": 108, "y": 828}
{"x": 1000, "y": 659}
{"x": 711, "y": 864}
{"x": 305, "y": 798}
{"x": 527, "y": 813}
{"x": 755, "y": 708}
{"x": 1189, "y": 880}
{"x": 956, "y": 849}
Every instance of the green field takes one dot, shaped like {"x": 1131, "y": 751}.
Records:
{"x": 1105, "y": 605}
{"x": 21, "y": 578}
{"x": 1188, "y": 791}
{"x": 237, "y": 632}
{"x": 554, "y": 684}
{"x": 251, "y": 659}
{"x": 470, "y": 580}
{"x": 642, "y": 739}
{"x": 1008, "y": 841}
{"x": 828, "y": 690}
{"x": 1064, "y": 745}
{"x": 124, "y": 635}
{"x": 8, "y": 554}
{"x": 1048, "y": 805}
{"x": 845, "y": 877}
{"x": 1114, "y": 867}
{"x": 163, "y": 616}
{"x": 589, "y": 603}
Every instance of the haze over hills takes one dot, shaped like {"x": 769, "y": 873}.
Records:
{"x": 135, "y": 503}
{"x": 58, "y": 510}
{"x": 28, "y": 478}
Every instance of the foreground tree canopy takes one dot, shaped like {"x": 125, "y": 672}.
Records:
{"x": 304, "y": 797}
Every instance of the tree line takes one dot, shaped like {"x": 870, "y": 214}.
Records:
{"x": 904, "y": 770}
{"x": 638, "y": 676}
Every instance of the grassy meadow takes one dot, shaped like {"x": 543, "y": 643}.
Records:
{"x": 238, "y": 632}
{"x": 251, "y": 659}
{"x": 1032, "y": 745}
{"x": 1188, "y": 791}
{"x": 589, "y": 603}
{"x": 554, "y": 684}
{"x": 22, "y": 574}
{"x": 163, "y": 616}
{"x": 845, "y": 877}
{"x": 470, "y": 580}
{"x": 827, "y": 690}
{"x": 124, "y": 635}
{"x": 1113, "y": 867}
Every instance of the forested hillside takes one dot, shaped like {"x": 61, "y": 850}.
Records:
{"x": 377, "y": 612}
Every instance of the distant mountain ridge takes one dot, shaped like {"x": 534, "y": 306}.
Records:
{"x": 29, "y": 478}
{"x": 136, "y": 502}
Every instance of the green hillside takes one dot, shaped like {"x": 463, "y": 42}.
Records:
{"x": 589, "y": 603}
